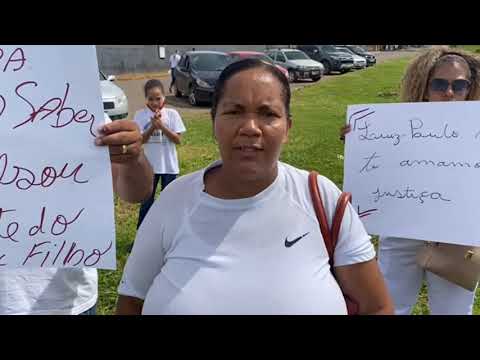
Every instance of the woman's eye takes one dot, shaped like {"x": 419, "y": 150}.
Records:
{"x": 269, "y": 113}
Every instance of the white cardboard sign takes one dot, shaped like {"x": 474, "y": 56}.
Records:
{"x": 56, "y": 199}
{"x": 414, "y": 169}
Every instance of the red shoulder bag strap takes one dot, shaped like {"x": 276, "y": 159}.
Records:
{"x": 330, "y": 236}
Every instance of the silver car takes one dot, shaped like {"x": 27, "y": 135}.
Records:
{"x": 298, "y": 64}
{"x": 359, "y": 62}
{"x": 115, "y": 102}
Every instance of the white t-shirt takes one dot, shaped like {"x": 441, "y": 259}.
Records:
{"x": 174, "y": 60}
{"x": 197, "y": 254}
{"x": 160, "y": 151}
{"x": 50, "y": 291}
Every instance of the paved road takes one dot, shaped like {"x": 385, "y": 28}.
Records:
{"x": 136, "y": 100}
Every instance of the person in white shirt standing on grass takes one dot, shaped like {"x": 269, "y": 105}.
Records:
{"x": 174, "y": 60}
{"x": 162, "y": 130}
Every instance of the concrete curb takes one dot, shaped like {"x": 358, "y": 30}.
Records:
{"x": 157, "y": 75}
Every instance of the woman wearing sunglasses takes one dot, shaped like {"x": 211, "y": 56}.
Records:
{"x": 439, "y": 74}
{"x": 162, "y": 130}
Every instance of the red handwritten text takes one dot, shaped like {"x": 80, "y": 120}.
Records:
{"x": 59, "y": 225}
{"x": 10, "y": 232}
{"x": 24, "y": 178}
{"x": 3, "y": 105}
{"x": 56, "y": 106}
{"x": 72, "y": 258}
{"x": 16, "y": 56}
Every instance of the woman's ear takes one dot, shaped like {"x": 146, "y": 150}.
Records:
{"x": 213, "y": 130}
{"x": 289, "y": 126}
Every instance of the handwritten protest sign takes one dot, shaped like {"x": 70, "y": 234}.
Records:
{"x": 56, "y": 201}
{"x": 414, "y": 169}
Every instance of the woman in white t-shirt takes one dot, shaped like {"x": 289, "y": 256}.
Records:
{"x": 162, "y": 130}
{"x": 241, "y": 236}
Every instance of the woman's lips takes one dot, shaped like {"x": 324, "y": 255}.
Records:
{"x": 248, "y": 150}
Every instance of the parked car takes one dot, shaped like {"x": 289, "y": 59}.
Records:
{"x": 297, "y": 63}
{"x": 371, "y": 59}
{"x": 359, "y": 62}
{"x": 238, "y": 55}
{"x": 329, "y": 56}
{"x": 197, "y": 73}
{"x": 115, "y": 102}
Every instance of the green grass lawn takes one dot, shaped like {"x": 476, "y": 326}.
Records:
{"x": 473, "y": 48}
{"x": 318, "y": 112}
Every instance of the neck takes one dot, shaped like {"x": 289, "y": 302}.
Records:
{"x": 223, "y": 183}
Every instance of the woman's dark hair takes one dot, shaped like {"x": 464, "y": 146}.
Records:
{"x": 244, "y": 65}
{"x": 151, "y": 84}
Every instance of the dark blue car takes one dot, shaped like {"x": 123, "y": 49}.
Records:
{"x": 197, "y": 73}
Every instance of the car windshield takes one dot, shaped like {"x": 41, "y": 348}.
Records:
{"x": 295, "y": 55}
{"x": 345, "y": 50}
{"x": 329, "y": 48}
{"x": 263, "y": 58}
{"x": 209, "y": 62}
{"x": 357, "y": 49}
{"x": 102, "y": 76}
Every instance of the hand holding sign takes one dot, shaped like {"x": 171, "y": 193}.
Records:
{"x": 123, "y": 138}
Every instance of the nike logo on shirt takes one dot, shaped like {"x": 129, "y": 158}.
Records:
{"x": 291, "y": 243}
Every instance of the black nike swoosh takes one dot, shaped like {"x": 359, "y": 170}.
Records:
{"x": 291, "y": 243}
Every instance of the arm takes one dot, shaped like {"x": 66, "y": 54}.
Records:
{"x": 356, "y": 269}
{"x": 344, "y": 130}
{"x": 173, "y": 136}
{"x": 157, "y": 123}
{"x": 364, "y": 283}
{"x": 127, "y": 305}
{"x": 131, "y": 172}
{"x": 147, "y": 134}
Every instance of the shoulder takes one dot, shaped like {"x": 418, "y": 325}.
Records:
{"x": 184, "y": 189}
{"x": 141, "y": 114}
{"x": 296, "y": 184}
{"x": 172, "y": 113}
{"x": 299, "y": 178}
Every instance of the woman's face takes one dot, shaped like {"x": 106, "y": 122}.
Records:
{"x": 449, "y": 82}
{"x": 155, "y": 98}
{"x": 251, "y": 124}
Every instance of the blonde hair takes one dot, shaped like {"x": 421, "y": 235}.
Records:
{"x": 417, "y": 76}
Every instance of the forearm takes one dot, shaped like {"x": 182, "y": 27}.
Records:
{"x": 147, "y": 134}
{"x": 386, "y": 310}
{"x": 127, "y": 305}
{"x": 133, "y": 181}
{"x": 173, "y": 136}
{"x": 364, "y": 283}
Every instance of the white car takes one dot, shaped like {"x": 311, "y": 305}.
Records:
{"x": 115, "y": 102}
{"x": 359, "y": 62}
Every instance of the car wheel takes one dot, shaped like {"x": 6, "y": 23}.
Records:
{"x": 326, "y": 65}
{"x": 291, "y": 76}
{"x": 176, "y": 91}
{"x": 192, "y": 99}
{"x": 316, "y": 78}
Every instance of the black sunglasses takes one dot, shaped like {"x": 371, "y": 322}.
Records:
{"x": 441, "y": 85}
